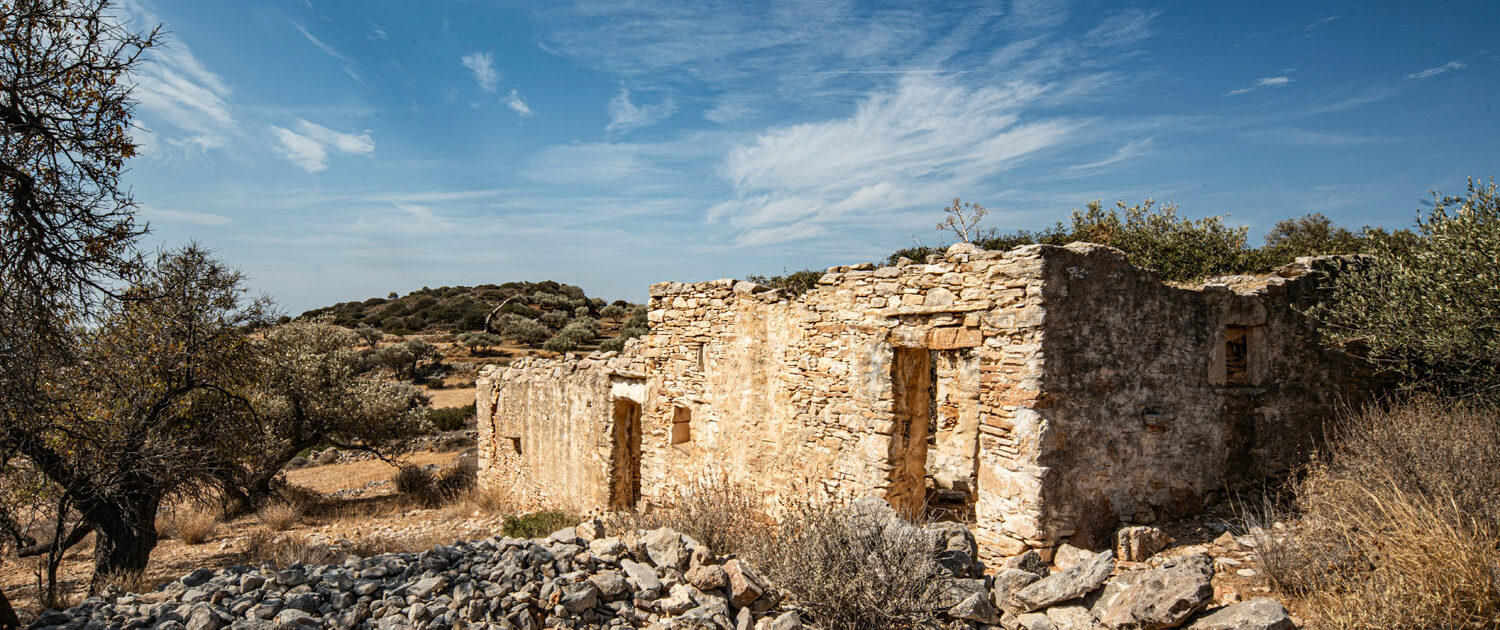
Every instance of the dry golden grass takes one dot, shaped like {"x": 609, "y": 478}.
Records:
{"x": 192, "y": 525}
{"x": 279, "y": 516}
{"x": 1399, "y": 527}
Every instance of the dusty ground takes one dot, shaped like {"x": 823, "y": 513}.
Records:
{"x": 377, "y": 515}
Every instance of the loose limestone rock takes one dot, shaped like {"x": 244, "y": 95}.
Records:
{"x": 1139, "y": 543}
{"x": 1162, "y": 598}
{"x": 1261, "y": 613}
{"x": 1077, "y": 581}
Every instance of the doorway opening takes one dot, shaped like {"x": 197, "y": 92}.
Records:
{"x": 625, "y": 461}
{"x": 911, "y": 382}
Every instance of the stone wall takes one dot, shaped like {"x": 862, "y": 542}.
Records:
{"x": 1038, "y": 394}
{"x": 1149, "y": 411}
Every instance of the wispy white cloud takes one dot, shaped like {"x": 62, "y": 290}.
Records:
{"x": 308, "y": 145}
{"x": 1432, "y": 72}
{"x": 1131, "y": 150}
{"x": 1036, "y": 14}
{"x": 1291, "y": 136}
{"x": 169, "y": 215}
{"x": 625, "y": 115}
{"x": 517, "y": 104}
{"x": 1321, "y": 22}
{"x": 482, "y": 64}
{"x": 348, "y": 64}
{"x": 1262, "y": 83}
{"x": 922, "y": 140}
{"x": 730, "y": 108}
{"x": 187, "y": 104}
{"x": 1125, "y": 28}
{"x": 320, "y": 44}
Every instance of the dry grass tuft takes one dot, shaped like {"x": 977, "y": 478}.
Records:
{"x": 1400, "y": 525}
{"x": 129, "y": 582}
{"x": 191, "y": 525}
{"x": 727, "y": 518}
{"x": 421, "y": 487}
{"x": 280, "y": 516}
{"x": 284, "y": 551}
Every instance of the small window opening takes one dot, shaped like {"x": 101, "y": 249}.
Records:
{"x": 1236, "y": 355}
{"x": 682, "y": 425}
{"x": 515, "y": 443}
{"x": 702, "y": 356}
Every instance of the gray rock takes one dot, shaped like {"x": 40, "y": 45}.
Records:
{"x": 198, "y": 577}
{"x": 250, "y": 582}
{"x": 203, "y": 618}
{"x": 427, "y": 586}
{"x": 1076, "y": 581}
{"x": 608, "y": 547}
{"x": 1139, "y": 543}
{"x": 645, "y": 577}
{"x": 976, "y": 608}
{"x": 580, "y": 596}
{"x": 681, "y": 600}
{"x": 1261, "y": 613}
{"x": 1034, "y": 621}
{"x": 611, "y": 585}
{"x": 293, "y": 619}
{"x": 666, "y": 548}
{"x": 787, "y": 621}
{"x": 1161, "y": 598}
{"x": 1030, "y": 562}
{"x": 1007, "y": 585}
{"x": 1072, "y": 617}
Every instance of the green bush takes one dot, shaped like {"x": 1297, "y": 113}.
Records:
{"x": 794, "y": 283}
{"x": 479, "y": 342}
{"x": 536, "y": 525}
{"x": 1425, "y": 309}
{"x": 556, "y": 319}
{"x": 451, "y": 418}
{"x": 527, "y": 331}
{"x": 560, "y": 343}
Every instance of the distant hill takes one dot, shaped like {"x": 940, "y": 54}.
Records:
{"x": 460, "y": 309}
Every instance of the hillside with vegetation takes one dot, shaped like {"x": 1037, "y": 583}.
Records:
{"x": 548, "y": 315}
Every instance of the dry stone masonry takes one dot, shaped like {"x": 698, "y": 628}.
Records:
{"x": 1041, "y": 395}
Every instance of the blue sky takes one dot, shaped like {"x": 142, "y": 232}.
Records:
{"x": 341, "y": 150}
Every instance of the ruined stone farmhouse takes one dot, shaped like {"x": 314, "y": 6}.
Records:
{"x": 1043, "y": 394}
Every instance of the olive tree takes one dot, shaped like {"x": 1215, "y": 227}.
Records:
{"x": 311, "y": 389}
{"x": 1428, "y": 309}
{"x": 153, "y": 403}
